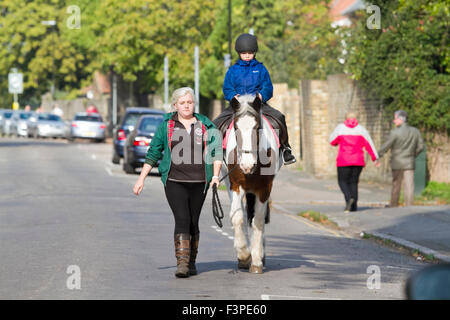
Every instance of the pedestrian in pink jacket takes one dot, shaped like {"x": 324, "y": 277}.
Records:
{"x": 351, "y": 138}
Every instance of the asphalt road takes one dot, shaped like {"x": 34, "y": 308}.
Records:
{"x": 68, "y": 217}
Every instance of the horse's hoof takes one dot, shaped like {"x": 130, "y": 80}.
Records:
{"x": 256, "y": 269}
{"x": 245, "y": 264}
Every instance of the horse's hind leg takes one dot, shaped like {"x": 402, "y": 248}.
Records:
{"x": 240, "y": 240}
{"x": 257, "y": 243}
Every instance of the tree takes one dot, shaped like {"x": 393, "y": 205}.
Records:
{"x": 134, "y": 36}
{"x": 42, "y": 53}
{"x": 407, "y": 62}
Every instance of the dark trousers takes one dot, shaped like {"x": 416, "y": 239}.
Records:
{"x": 348, "y": 178}
{"x": 267, "y": 111}
{"x": 186, "y": 201}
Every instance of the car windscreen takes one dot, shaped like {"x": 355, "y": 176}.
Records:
{"x": 150, "y": 124}
{"x": 88, "y": 118}
{"x": 25, "y": 116}
{"x": 49, "y": 117}
{"x": 131, "y": 119}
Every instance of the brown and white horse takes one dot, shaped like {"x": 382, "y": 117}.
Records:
{"x": 253, "y": 161}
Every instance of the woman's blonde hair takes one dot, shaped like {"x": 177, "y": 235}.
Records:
{"x": 181, "y": 92}
{"x": 350, "y": 115}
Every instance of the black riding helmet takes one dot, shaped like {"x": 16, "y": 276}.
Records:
{"x": 246, "y": 43}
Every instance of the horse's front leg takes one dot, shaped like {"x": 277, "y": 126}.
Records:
{"x": 257, "y": 243}
{"x": 237, "y": 220}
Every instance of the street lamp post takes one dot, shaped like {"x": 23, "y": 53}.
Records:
{"x": 52, "y": 23}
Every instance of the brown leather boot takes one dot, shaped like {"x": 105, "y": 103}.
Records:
{"x": 194, "y": 250}
{"x": 182, "y": 253}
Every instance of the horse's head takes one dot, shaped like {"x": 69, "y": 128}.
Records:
{"x": 247, "y": 121}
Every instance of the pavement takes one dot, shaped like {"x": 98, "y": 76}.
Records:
{"x": 423, "y": 229}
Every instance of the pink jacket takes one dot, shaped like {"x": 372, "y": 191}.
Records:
{"x": 352, "y": 138}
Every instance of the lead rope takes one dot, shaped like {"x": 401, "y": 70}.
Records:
{"x": 216, "y": 206}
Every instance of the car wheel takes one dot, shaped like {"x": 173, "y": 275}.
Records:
{"x": 128, "y": 168}
{"x": 116, "y": 157}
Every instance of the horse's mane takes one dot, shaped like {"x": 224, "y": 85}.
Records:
{"x": 244, "y": 102}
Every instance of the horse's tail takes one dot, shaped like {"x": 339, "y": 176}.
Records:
{"x": 250, "y": 208}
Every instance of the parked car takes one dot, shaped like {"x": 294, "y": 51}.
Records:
{"x": 132, "y": 115}
{"x": 138, "y": 141}
{"x": 47, "y": 125}
{"x": 1, "y": 118}
{"x": 6, "y": 122}
{"x": 87, "y": 125}
{"x": 19, "y": 123}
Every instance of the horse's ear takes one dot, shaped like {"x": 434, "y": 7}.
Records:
{"x": 257, "y": 103}
{"x": 235, "y": 104}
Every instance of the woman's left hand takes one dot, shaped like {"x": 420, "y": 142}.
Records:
{"x": 214, "y": 181}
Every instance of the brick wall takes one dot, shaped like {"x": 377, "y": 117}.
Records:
{"x": 316, "y": 108}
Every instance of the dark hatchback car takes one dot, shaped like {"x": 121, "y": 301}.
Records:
{"x": 131, "y": 117}
{"x": 138, "y": 141}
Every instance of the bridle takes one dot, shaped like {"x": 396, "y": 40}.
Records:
{"x": 240, "y": 150}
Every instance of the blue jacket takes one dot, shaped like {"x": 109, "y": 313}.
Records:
{"x": 247, "y": 77}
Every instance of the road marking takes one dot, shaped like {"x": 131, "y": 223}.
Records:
{"x": 267, "y": 297}
{"x": 295, "y": 260}
{"x": 222, "y": 232}
{"x": 109, "y": 171}
{"x": 94, "y": 157}
{"x": 394, "y": 267}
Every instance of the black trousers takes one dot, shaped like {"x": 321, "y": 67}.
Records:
{"x": 186, "y": 201}
{"x": 348, "y": 178}
{"x": 268, "y": 111}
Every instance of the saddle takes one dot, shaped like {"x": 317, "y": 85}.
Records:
{"x": 225, "y": 125}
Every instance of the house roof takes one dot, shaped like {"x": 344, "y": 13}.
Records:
{"x": 339, "y": 9}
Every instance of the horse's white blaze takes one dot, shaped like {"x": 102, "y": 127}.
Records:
{"x": 237, "y": 220}
{"x": 257, "y": 242}
{"x": 246, "y": 126}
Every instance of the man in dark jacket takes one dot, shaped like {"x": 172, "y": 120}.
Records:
{"x": 405, "y": 143}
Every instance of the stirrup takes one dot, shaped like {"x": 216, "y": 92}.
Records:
{"x": 293, "y": 160}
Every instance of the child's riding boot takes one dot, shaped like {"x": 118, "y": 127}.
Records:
{"x": 288, "y": 157}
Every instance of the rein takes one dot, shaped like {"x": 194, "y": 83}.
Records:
{"x": 216, "y": 206}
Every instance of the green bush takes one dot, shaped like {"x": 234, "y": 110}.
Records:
{"x": 437, "y": 190}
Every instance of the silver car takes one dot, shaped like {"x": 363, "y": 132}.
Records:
{"x": 47, "y": 125}
{"x": 6, "y": 121}
{"x": 87, "y": 126}
{"x": 19, "y": 125}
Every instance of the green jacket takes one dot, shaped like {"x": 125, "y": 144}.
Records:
{"x": 405, "y": 143}
{"x": 159, "y": 147}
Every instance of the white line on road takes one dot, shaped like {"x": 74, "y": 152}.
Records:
{"x": 267, "y": 297}
{"x": 296, "y": 260}
{"x": 109, "y": 171}
{"x": 394, "y": 267}
{"x": 222, "y": 232}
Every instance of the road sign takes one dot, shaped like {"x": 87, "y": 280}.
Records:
{"x": 15, "y": 83}
{"x": 227, "y": 60}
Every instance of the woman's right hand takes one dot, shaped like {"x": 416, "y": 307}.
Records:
{"x": 137, "y": 189}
